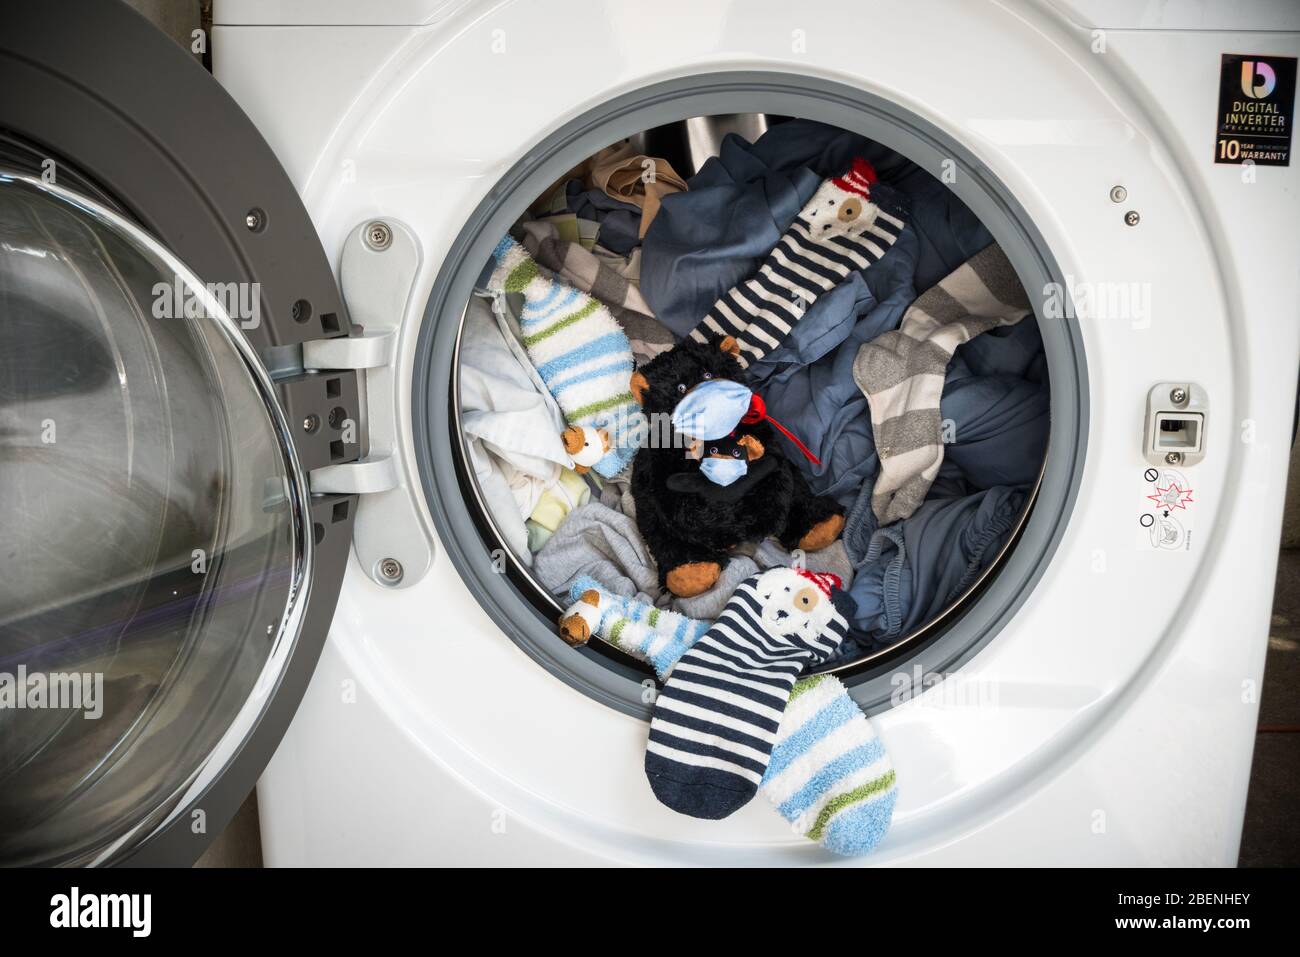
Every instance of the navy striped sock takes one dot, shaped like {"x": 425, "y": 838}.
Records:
{"x": 849, "y": 224}
{"x": 716, "y": 719}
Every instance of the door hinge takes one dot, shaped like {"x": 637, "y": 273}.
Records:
{"x": 370, "y": 350}
{"x": 377, "y": 273}
{"x": 362, "y": 477}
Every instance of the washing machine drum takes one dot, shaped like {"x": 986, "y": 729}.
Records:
{"x": 167, "y": 578}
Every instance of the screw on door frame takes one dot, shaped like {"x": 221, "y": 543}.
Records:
{"x": 1173, "y": 458}
{"x": 1178, "y": 396}
{"x": 1131, "y": 218}
{"x": 378, "y": 236}
{"x": 255, "y": 220}
{"x": 1118, "y": 194}
{"x": 390, "y": 571}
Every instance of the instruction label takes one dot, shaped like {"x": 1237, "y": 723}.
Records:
{"x": 1256, "y": 109}
{"x": 1167, "y": 511}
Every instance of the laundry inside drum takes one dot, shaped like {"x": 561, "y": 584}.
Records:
{"x": 888, "y": 338}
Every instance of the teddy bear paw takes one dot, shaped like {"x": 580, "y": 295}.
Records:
{"x": 693, "y": 578}
{"x": 822, "y": 534}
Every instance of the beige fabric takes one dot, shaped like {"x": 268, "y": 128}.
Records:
{"x": 634, "y": 178}
{"x": 626, "y": 175}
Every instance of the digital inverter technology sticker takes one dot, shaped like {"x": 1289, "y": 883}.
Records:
{"x": 1256, "y": 109}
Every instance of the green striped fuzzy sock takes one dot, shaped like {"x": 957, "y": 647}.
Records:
{"x": 580, "y": 351}
{"x": 656, "y": 636}
{"x": 829, "y": 774}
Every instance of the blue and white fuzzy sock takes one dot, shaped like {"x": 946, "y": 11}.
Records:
{"x": 579, "y": 350}
{"x": 815, "y": 777}
{"x": 829, "y": 774}
{"x": 656, "y": 636}
{"x": 715, "y": 721}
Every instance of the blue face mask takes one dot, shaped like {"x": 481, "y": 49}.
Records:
{"x": 712, "y": 410}
{"x": 723, "y": 471}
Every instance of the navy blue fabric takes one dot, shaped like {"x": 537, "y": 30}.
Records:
{"x": 620, "y": 222}
{"x": 705, "y": 240}
{"x": 909, "y": 571}
{"x": 996, "y": 396}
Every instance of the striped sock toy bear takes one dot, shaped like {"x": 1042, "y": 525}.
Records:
{"x": 849, "y": 224}
{"x": 716, "y": 720}
{"x": 580, "y": 351}
{"x": 654, "y": 635}
{"x": 829, "y": 774}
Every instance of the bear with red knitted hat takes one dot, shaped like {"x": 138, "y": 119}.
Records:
{"x": 717, "y": 478}
{"x": 717, "y": 719}
{"x": 848, "y": 225}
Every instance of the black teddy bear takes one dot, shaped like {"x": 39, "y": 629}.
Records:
{"x": 690, "y": 524}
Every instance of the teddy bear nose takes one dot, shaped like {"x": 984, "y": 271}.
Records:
{"x": 805, "y": 599}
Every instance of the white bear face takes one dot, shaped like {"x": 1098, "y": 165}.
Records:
{"x": 586, "y": 445}
{"x": 834, "y": 212}
{"x": 793, "y": 605}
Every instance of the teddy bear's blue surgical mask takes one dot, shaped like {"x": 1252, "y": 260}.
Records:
{"x": 712, "y": 410}
{"x": 723, "y": 471}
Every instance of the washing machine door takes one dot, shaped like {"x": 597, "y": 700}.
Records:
{"x": 166, "y": 576}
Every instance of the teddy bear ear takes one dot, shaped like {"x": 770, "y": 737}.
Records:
{"x": 695, "y": 449}
{"x": 753, "y": 448}
{"x": 639, "y": 385}
{"x": 590, "y": 597}
{"x": 573, "y": 439}
{"x": 604, "y": 438}
{"x": 730, "y": 346}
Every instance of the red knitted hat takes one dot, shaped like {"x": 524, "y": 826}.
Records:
{"x": 858, "y": 179}
{"x": 823, "y": 580}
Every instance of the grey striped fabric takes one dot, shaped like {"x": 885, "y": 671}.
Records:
{"x": 597, "y": 275}
{"x": 849, "y": 224}
{"x": 902, "y": 373}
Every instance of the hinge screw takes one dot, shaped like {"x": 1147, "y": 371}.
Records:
{"x": 390, "y": 570}
{"x": 1118, "y": 194}
{"x": 311, "y": 423}
{"x": 1131, "y": 217}
{"x": 255, "y": 219}
{"x": 379, "y": 236}
{"x": 1178, "y": 396}
{"x": 1173, "y": 458}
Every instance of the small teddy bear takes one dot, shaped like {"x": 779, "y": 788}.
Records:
{"x": 726, "y": 466}
{"x": 586, "y": 445}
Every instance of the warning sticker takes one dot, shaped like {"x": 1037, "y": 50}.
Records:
{"x": 1167, "y": 511}
{"x": 1256, "y": 108}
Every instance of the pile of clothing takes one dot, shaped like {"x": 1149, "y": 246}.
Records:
{"x": 919, "y": 383}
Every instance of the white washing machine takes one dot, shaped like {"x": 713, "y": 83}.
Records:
{"x": 1092, "y": 702}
